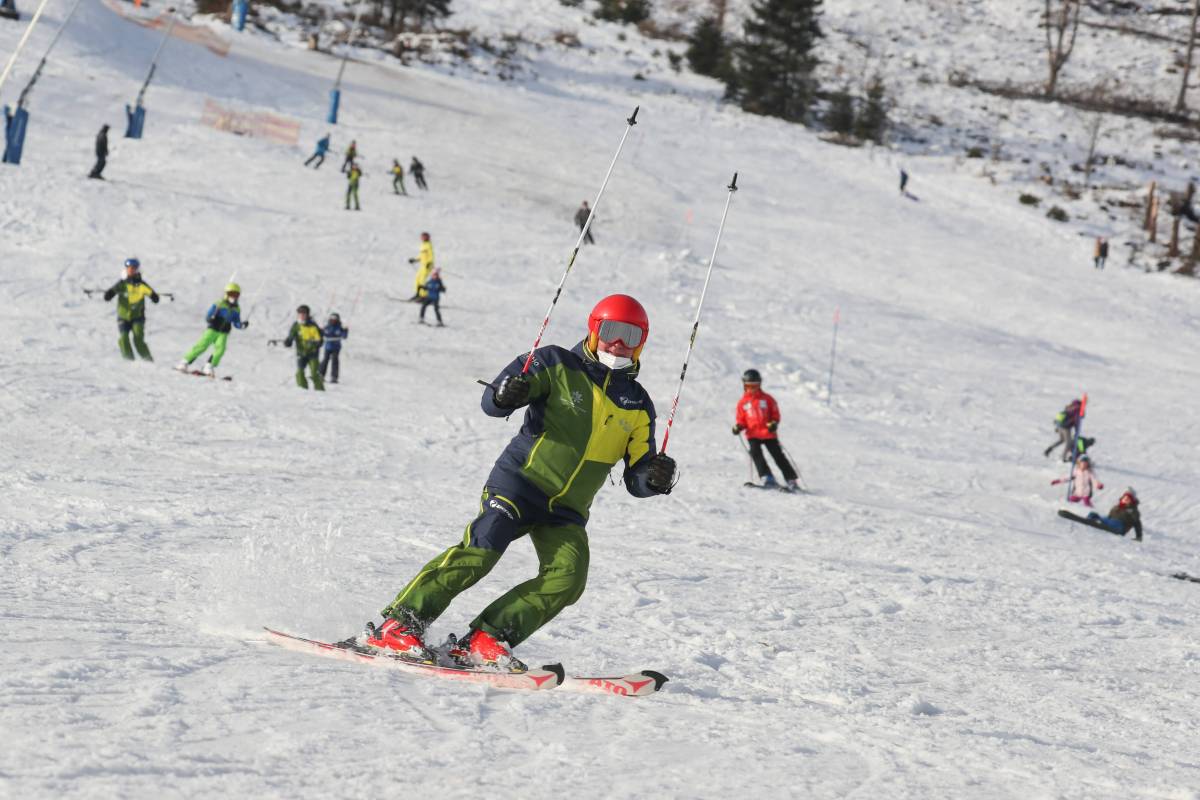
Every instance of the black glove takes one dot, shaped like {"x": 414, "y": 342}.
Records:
{"x": 412, "y": 261}
{"x": 245, "y": 324}
{"x": 660, "y": 475}
{"x": 772, "y": 425}
{"x": 737, "y": 429}
{"x": 513, "y": 392}
{"x": 108, "y": 295}
{"x": 154, "y": 298}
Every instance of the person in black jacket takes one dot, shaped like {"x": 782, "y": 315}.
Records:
{"x": 417, "y": 170}
{"x": 101, "y": 152}
{"x": 581, "y": 218}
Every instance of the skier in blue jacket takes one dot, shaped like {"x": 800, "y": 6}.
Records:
{"x": 319, "y": 155}
{"x": 334, "y": 332}
{"x": 434, "y": 288}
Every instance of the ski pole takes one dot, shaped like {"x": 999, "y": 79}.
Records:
{"x": 795, "y": 465}
{"x": 629, "y": 123}
{"x": 837, "y": 317}
{"x": 749, "y": 457}
{"x": 699, "y": 307}
{"x": 90, "y": 292}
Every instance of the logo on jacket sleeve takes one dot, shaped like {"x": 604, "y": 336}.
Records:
{"x": 574, "y": 402}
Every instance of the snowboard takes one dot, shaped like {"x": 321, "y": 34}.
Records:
{"x": 550, "y": 676}
{"x": 1090, "y": 523}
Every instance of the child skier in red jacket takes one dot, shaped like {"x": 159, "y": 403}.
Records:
{"x": 758, "y": 416}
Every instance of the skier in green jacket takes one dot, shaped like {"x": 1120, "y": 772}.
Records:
{"x": 586, "y": 413}
{"x": 222, "y": 316}
{"x": 131, "y": 293}
{"x": 307, "y": 337}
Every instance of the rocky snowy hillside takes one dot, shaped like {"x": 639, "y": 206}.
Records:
{"x": 919, "y": 625}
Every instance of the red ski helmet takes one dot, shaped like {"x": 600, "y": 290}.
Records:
{"x": 619, "y": 317}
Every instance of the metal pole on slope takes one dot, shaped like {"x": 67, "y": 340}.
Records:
{"x": 136, "y": 116}
{"x": 1075, "y": 446}
{"x": 335, "y": 94}
{"x": 17, "y": 121}
{"x": 42, "y": 64}
{"x": 699, "y": 307}
{"x": 837, "y": 317}
{"x": 24, "y": 38}
{"x": 629, "y": 123}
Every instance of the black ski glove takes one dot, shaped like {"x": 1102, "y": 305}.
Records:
{"x": 660, "y": 474}
{"x": 513, "y": 392}
{"x": 245, "y": 324}
{"x": 154, "y": 298}
{"x": 772, "y": 425}
{"x": 737, "y": 429}
{"x": 109, "y": 294}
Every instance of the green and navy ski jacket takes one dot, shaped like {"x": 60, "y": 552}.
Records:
{"x": 131, "y": 294}
{"x": 582, "y": 419}
{"x": 307, "y": 337}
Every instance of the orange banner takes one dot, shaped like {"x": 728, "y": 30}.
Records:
{"x": 182, "y": 30}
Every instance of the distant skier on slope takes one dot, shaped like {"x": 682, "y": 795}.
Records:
{"x": 1084, "y": 481}
{"x": 307, "y": 337}
{"x": 352, "y": 179}
{"x": 418, "y": 172}
{"x": 1065, "y": 424}
{"x": 351, "y": 156}
{"x": 1123, "y": 516}
{"x": 586, "y": 412}
{"x": 335, "y": 333}
{"x": 222, "y": 316}
{"x": 434, "y": 289}
{"x": 319, "y": 154}
{"x": 131, "y": 293}
{"x": 1100, "y": 252}
{"x": 425, "y": 259}
{"x": 758, "y": 416}
{"x": 101, "y": 153}
{"x": 581, "y": 218}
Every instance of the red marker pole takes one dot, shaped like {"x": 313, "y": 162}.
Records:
{"x": 629, "y": 123}
{"x": 837, "y": 317}
{"x": 696, "y": 324}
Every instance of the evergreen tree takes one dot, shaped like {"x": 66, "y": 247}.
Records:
{"x": 419, "y": 12}
{"x": 840, "y": 117}
{"x": 872, "y": 122}
{"x": 706, "y": 48}
{"x": 628, "y": 11}
{"x": 774, "y": 63}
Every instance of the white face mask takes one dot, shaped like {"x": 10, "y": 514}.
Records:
{"x": 614, "y": 362}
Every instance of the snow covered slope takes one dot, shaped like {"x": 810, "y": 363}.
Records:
{"x": 921, "y": 626}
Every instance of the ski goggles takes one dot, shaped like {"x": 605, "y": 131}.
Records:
{"x": 613, "y": 331}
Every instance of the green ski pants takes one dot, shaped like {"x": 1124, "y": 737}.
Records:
{"x": 212, "y": 338}
{"x": 562, "y": 551}
{"x": 312, "y": 362}
{"x": 138, "y": 328}
{"x": 352, "y": 192}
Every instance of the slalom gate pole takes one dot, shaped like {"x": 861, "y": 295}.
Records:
{"x": 21, "y": 44}
{"x": 837, "y": 317}
{"x": 1075, "y": 446}
{"x": 629, "y": 123}
{"x": 699, "y": 307}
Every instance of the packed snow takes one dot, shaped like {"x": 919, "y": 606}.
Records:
{"x": 920, "y": 625}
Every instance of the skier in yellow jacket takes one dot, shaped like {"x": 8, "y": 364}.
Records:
{"x": 425, "y": 259}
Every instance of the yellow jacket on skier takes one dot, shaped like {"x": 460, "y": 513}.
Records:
{"x": 425, "y": 259}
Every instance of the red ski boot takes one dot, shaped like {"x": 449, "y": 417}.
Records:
{"x": 485, "y": 650}
{"x": 398, "y": 637}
